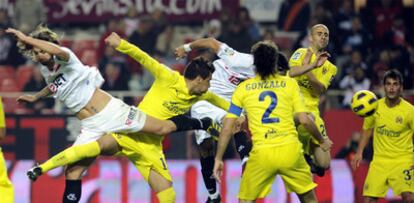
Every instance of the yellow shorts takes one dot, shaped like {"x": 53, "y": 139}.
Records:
{"x": 267, "y": 162}
{"x": 145, "y": 152}
{"x": 306, "y": 138}
{"x": 6, "y": 186}
{"x": 383, "y": 174}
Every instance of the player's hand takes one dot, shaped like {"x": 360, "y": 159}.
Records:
{"x": 218, "y": 169}
{"x": 326, "y": 144}
{"x": 321, "y": 58}
{"x": 356, "y": 160}
{"x": 26, "y": 98}
{"x": 180, "y": 53}
{"x": 239, "y": 124}
{"x": 17, "y": 33}
{"x": 113, "y": 40}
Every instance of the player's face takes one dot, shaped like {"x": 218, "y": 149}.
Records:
{"x": 320, "y": 37}
{"x": 41, "y": 56}
{"x": 201, "y": 86}
{"x": 392, "y": 88}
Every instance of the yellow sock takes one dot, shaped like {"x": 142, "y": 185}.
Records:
{"x": 72, "y": 155}
{"x": 167, "y": 196}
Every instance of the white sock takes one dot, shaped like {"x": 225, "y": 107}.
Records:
{"x": 215, "y": 195}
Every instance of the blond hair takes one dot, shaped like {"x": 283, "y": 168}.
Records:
{"x": 41, "y": 32}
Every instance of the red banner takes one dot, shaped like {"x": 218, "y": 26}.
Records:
{"x": 66, "y": 11}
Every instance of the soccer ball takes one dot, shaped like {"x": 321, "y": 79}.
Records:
{"x": 364, "y": 103}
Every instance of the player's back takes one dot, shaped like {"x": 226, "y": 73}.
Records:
{"x": 270, "y": 105}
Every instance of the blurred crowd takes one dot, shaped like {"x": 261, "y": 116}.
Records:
{"x": 365, "y": 41}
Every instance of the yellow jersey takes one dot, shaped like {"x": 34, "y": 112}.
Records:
{"x": 169, "y": 95}
{"x": 270, "y": 105}
{"x": 325, "y": 74}
{"x": 393, "y": 130}
{"x": 2, "y": 117}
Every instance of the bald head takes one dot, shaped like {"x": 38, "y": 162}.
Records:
{"x": 319, "y": 26}
{"x": 319, "y": 37}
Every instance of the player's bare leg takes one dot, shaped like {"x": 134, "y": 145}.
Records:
{"x": 162, "y": 187}
{"x": 73, "y": 174}
{"x": 370, "y": 199}
{"x": 308, "y": 197}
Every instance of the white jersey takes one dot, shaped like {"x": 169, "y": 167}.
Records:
{"x": 72, "y": 82}
{"x": 232, "y": 68}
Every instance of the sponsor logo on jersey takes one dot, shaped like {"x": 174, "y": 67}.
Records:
{"x": 382, "y": 130}
{"x": 399, "y": 120}
{"x": 131, "y": 115}
{"x": 229, "y": 51}
{"x": 57, "y": 82}
{"x": 296, "y": 56}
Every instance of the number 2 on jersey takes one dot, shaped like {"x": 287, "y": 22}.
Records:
{"x": 272, "y": 106}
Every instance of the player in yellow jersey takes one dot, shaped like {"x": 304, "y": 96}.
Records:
{"x": 393, "y": 128}
{"x": 6, "y": 186}
{"x": 170, "y": 95}
{"x": 314, "y": 73}
{"x": 271, "y": 101}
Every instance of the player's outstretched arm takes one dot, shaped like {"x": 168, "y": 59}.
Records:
{"x": 41, "y": 44}
{"x": 33, "y": 98}
{"x": 366, "y": 135}
{"x": 306, "y": 65}
{"x": 223, "y": 141}
{"x": 123, "y": 46}
{"x": 205, "y": 43}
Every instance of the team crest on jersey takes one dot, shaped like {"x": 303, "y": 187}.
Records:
{"x": 229, "y": 51}
{"x": 399, "y": 119}
{"x": 296, "y": 55}
{"x": 324, "y": 70}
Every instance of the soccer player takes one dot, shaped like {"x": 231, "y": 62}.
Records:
{"x": 314, "y": 73}
{"x": 6, "y": 186}
{"x": 393, "y": 128}
{"x": 169, "y": 96}
{"x": 77, "y": 86}
{"x": 270, "y": 100}
{"x": 231, "y": 68}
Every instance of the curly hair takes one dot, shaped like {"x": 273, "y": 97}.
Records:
{"x": 266, "y": 55}
{"x": 41, "y": 32}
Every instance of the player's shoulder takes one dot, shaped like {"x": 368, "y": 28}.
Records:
{"x": 406, "y": 104}
{"x": 297, "y": 55}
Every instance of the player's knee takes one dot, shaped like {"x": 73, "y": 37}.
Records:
{"x": 166, "y": 128}
{"x": 167, "y": 195}
{"x": 74, "y": 172}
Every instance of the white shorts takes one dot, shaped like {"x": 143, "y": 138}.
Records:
{"x": 115, "y": 117}
{"x": 203, "y": 109}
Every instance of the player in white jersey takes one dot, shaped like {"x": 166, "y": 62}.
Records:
{"x": 231, "y": 68}
{"x": 77, "y": 86}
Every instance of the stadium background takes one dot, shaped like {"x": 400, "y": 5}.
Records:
{"x": 367, "y": 37}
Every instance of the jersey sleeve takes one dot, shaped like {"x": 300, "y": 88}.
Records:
{"x": 72, "y": 57}
{"x": 158, "y": 70}
{"x": 2, "y": 117}
{"x": 236, "y": 105}
{"x": 297, "y": 57}
{"x": 411, "y": 118}
{"x": 216, "y": 100}
{"x": 369, "y": 122}
{"x": 233, "y": 58}
{"x": 297, "y": 100}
